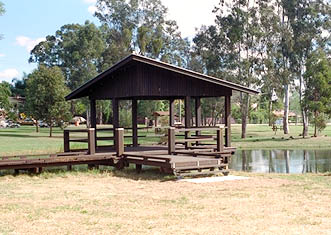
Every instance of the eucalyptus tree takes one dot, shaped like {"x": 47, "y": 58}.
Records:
{"x": 231, "y": 48}
{"x": 140, "y": 26}
{"x": 308, "y": 20}
{"x": 76, "y": 49}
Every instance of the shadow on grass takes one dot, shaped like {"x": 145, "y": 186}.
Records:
{"x": 27, "y": 135}
{"x": 147, "y": 174}
{"x": 273, "y": 139}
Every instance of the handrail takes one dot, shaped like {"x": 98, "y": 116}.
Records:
{"x": 207, "y": 128}
{"x": 172, "y": 138}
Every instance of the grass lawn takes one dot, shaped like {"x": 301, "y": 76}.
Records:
{"x": 113, "y": 202}
{"x": 25, "y": 140}
{"x": 107, "y": 201}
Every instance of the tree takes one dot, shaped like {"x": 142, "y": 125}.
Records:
{"x": 4, "y": 96}
{"x": 45, "y": 96}
{"x": 231, "y": 48}
{"x": 18, "y": 87}
{"x": 76, "y": 49}
{"x": 140, "y": 26}
{"x": 317, "y": 98}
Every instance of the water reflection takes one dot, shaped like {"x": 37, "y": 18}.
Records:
{"x": 282, "y": 161}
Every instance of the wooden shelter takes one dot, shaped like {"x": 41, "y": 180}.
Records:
{"x": 138, "y": 78}
{"x": 189, "y": 149}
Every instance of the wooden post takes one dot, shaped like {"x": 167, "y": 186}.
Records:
{"x": 197, "y": 111}
{"x": 219, "y": 139}
{"x": 188, "y": 114}
{"x": 91, "y": 141}
{"x": 228, "y": 121}
{"x": 171, "y": 140}
{"x": 115, "y": 108}
{"x": 134, "y": 122}
{"x": 66, "y": 139}
{"x": 93, "y": 114}
{"x": 119, "y": 141}
{"x": 187, "y": 118}
{"x": 197, "y": 116}
{"x": 171, "y": 112}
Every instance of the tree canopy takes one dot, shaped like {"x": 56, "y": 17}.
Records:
{"x": 318, "y": 95}
{"x": 4, "y": 96}
{"x": 45, "y": 96}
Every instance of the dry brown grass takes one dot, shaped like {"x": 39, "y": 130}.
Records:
{"x": 112, "y": 203}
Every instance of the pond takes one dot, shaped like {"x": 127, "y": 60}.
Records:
{"x": 282, "y": 161}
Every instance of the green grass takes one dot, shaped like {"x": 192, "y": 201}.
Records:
{"x": 25, "y": 140}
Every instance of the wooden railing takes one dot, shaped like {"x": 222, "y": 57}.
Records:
{"x": 198, "y": 138}
{"x": 90, "y": 139}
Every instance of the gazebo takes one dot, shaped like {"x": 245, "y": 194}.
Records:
{"x": 140, "y": 78}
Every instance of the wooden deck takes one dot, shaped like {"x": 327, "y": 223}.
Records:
{"x": 190, "y": 157}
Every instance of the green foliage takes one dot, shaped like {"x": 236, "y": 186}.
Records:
{"x": 18, "y": 88}
{"x": 317, "y": 98}
{"x": 140, "y": 26}
{"x": 148, "y": 107}
{"x": 45, "y": 96}
{"x": 4, "y": 96}
{"x": 76, "y": 49}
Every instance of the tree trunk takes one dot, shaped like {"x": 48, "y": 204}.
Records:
{"x": 304, "y": 123}
{"x": 50, "y": 130}
{"x": 270, "y": 112}
{"x": 72, "y": 107}
{"x": 315, "y": 129}
{"x": 286, "y": 108}
{"x": 100, "y": 117}
{"x": 244, "y": 98}
{"x": 37, "y": 126}
{"x": 303, "y": 110}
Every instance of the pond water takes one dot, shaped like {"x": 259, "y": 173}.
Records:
{"x": 282, "y": 161}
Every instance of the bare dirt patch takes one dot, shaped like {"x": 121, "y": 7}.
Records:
{"x": 103, "y": 203}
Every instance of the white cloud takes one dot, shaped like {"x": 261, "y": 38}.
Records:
{"x": 27, "y": 42}
{"x": 191, "y": 14}
{"x": 2, "y": 55}
{"x": 92, "y": 9}
{"x": 90, "y": 1}
{"x": 8, "y": 74}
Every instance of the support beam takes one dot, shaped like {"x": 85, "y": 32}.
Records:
{"x": 198, "y": 111}
{"x": 116, "y": 112}
{"x": 116, "y": 117}
{"x": 171, "y": 112}
{"x": 93, "y": 114}
{"x": 188, "y": 116}
{"x": 134, "y": 122}
{"x": 197, "y": 115}
{"x": 188, "y": 113}
{"x": 227, "y": 119}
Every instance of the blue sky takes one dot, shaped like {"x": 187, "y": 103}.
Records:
{"x": 27, "y": 22}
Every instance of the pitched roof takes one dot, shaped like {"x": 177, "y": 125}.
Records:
{"x": 142, "y": 59}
